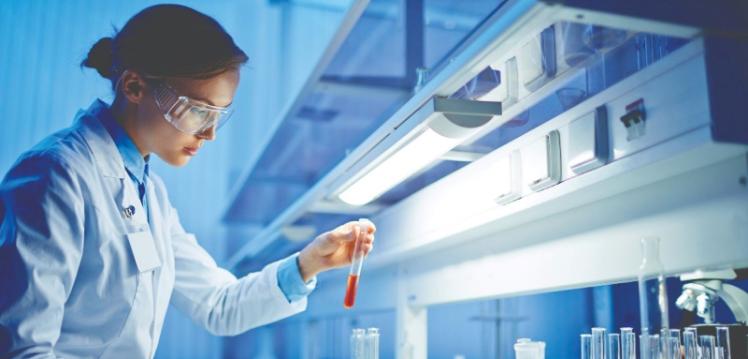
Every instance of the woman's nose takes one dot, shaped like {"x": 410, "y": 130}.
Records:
{"x": 209, "y": 134}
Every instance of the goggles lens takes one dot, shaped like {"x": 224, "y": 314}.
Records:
{"x": 188, "y": 115}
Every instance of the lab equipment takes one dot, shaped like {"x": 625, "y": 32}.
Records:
{"x": 672, "y": 343}
{"x": 628, "y": 343}
{"x": 598, "y": 343}
{"x": 675, "y": 333}
{"x": 358, "y": 337}
{"x": 673, "y": 347}
{"x": 691, "y": 349}
{"x": 649, "y": 346}
{"x": 708, "y": 346}
{"x": 586, "y": 346}
{"x": 614, "y": 346}
{"x": 541, "y": 162}
{"x": 723, "y": 343}
{"x": 702, "y": 290}
{"x": 537, "y": 60}
{"x": 652, "y": 295}
{"x": 185, "y": 114}
{"x": 665, "y": 343}
{"x": 356, "y": 263}
{"x": 525, "y": 348}
{"x": 372, "y": 343}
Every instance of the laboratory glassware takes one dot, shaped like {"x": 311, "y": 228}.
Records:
{"x": 723, "y": 342}
{"x": 598, "y": 343}
{"x": 673, "y": 346}
{"x": 628, "y": 343}
{"x": 689, "y": 344}
{"x": 357, "y": 262}
{"x": 525, "y": 348}
{"x": 586, "y": 346}
{"x": 653, "y": 301}
{"x": 372, "y": 343}
{"x": 357, "y": 344}
{"x": 708, "y": 346}
{"x": 650, "y": 346}
{"x": 614, "y": 346}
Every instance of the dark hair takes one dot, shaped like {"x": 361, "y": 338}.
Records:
{"x": 167, "y": 41}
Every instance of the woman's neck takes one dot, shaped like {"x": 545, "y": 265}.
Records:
{"x": 125, "y": 114}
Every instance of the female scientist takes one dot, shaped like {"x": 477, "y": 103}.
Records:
{"x": 92, "y": 252}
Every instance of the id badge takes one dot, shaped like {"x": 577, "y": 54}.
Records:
{"x": 144, "y": 251}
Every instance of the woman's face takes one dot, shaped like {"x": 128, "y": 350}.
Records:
{"x": 157, "y": 135}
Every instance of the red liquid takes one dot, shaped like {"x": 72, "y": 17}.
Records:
{"x": 350, "y": 292}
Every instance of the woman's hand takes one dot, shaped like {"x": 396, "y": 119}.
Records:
{"x": 334, "y": 249}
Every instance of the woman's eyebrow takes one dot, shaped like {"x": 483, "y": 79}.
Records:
{"x": 209, "y": 102}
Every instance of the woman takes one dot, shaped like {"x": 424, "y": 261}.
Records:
{"x": 92, "y": 252}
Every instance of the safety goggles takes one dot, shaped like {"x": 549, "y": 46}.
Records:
{"x": 188, "y": 115}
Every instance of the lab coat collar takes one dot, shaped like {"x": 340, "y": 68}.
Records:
{"x": 105, "y": 152}
{"x": 133, "y": 160}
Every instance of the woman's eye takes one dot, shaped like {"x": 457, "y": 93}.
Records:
{"x": 198, "y": 111}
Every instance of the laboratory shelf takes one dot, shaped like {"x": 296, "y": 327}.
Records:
{"x": 636, "y": 131}
{"x": 504, "y": 30}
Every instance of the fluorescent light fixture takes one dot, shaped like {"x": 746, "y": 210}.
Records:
{"x": 442, "y": 124}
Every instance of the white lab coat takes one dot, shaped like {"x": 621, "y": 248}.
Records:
{"x": 81, "y": 279}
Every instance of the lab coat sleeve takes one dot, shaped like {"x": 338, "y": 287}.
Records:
{"x": 41, "y": 241}
{"x": 216, "y": 299}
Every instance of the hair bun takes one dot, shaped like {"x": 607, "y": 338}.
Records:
{"x": 101, "y": 57}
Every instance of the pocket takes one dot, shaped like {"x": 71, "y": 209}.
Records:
{"x": 144, "y": 251}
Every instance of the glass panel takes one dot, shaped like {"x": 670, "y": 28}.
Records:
{"x": 448, "y": 23}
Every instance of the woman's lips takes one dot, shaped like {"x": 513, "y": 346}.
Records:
{"x": 191, "y": 151}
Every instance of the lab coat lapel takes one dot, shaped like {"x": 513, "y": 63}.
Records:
{"x": 110, "y": 164}
{"x": 163, "y": 280}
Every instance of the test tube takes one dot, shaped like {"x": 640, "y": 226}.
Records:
{"x": 664, "y": 342}
{"x": 628, "y": 343}
{"x": 723, "y": 342}
{"x": 673, "y": 347}
{"x": 644, "y": 345}
{"x": 708, "y": 346}
{"x": 675, "y": 333}
{"x": 586, "y": 341}
{"x": 357, "y": 343}
{"x": 372, "y": 343}
{"x": 598, "y": 343}
{"x": 650, "y": 346}
{"x": 357, "y": 261}
{"x": 614, "y": 346}
{"x": 689, "y": 342}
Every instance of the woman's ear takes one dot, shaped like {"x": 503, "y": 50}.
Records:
{"x": 132, "y": 85}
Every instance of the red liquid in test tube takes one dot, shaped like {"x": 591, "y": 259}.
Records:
{"x": 356, "y": 264}
{"x": 350, "y": 292}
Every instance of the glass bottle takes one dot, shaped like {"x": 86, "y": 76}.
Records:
{"x": 653, "y": 303}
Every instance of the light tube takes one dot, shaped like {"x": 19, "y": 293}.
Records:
{"x": 421, "y": 151}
